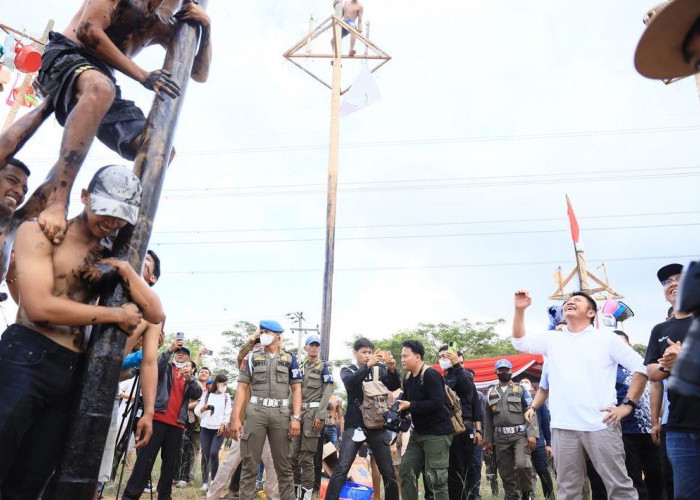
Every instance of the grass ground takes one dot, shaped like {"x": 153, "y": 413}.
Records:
{"x": 192, "y": 490}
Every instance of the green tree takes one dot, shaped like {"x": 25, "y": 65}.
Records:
{"x": 227, "y": 359}
{"x": 475, "y": 340}
{"x": 641, "y": 349}
{"x": 192, "y": 343}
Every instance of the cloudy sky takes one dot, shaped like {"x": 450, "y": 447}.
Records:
{"x": 452, "y": 187}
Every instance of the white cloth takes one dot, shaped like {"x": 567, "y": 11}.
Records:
{"x": 582, "y": 373}
{"x": 221, "y": 413}
{"x": 339, "y": 8}
{"x": 229, "y": 466}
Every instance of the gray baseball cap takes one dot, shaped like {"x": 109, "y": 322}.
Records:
{"x": 115, "y": 191}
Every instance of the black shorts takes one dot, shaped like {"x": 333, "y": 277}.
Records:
{"x": 61, "y": 64}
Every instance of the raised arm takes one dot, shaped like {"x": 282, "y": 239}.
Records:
{"x": 12, "y": 139}
{"x": 195, "y": 14}
{"x": 35, "y": 284}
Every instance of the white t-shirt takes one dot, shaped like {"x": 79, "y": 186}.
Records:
{"x": 221, "y": 413}
{"x": 582, "y": 371}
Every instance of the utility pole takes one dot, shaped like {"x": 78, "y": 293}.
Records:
{"x": 76, "y": 477}
{"x": 298, "y": 318}
{"x": 302, "y": 49}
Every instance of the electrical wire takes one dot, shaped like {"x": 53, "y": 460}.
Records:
{"x": 438, "y": 266}
{"x": 409, "y": 236}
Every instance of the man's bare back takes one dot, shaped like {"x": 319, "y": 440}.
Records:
{"x": 134, "y": 25}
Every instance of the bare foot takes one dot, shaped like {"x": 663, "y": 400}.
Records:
{"x": 352, "y": 53}
{"x": 53, "y": 222}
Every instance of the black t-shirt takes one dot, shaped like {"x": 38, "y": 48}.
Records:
{"x": 428, "y": 403}
{"x": 683, "y": 411}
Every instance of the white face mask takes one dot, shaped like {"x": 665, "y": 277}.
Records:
{"x": 527, "y": 387}
{"x": 266, "y": 339}
{"x": 222, "y": 388}
{"x": 445, "y": 364}
{"x": 182, "y": 365}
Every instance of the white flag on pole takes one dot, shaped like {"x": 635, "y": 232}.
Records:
{"x": 362, "y": 93}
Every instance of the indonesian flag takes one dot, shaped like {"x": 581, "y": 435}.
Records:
{"x": 572, "y": 221}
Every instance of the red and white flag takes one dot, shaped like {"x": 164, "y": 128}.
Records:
{"x": 575, "y": 233}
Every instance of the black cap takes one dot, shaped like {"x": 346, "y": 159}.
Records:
{"x": 669, "y": 270}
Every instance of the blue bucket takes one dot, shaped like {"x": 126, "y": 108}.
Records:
{"x": 356, "y": 491}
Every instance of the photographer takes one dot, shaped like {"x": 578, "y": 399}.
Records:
{"x": 461, "y": 481}
{"x": 429, "y": 446}
{"x": 355, "y": 434}
{"x": 214, "y": 410}
{"x": 176, "y": 386}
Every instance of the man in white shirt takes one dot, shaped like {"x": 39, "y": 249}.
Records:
{"x": 576, "y": 402}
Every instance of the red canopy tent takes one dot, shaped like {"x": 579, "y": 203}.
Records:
{"x": 525, "y": 365}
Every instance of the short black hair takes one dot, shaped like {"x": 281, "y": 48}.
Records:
{"x": 194, "y": 365}
{"x": 19, "y": 164}
{"x": 590, "y": 300}
{"x": 471, "y": 370}
{"x": 205, "y": 368}
{"x": 416, "y": 346}
{"x": 622, "y": 334}
{"x": 362, "y": 342}
{"x": 156, "y": 263}
{"x": 443, "y": 347}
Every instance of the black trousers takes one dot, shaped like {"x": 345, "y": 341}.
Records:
{"x": 539, "y": 462}
{"x": 666, "y": 467}
{"x": 348, "y": 451}
{"x": 461, "y": 483}
{"x": 642, "y": 456}
{"x": 166, "y": 439}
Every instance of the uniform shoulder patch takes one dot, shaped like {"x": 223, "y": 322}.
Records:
{"x": 516, "y": 389}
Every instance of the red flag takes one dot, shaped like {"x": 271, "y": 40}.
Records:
{"x": 572, "y": 220}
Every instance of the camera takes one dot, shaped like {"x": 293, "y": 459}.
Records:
{"x": 210, "y": 408}
{"x": 394, "y": 422}
{"x": 686, "y": 371}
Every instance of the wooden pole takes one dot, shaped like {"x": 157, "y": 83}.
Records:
{"x": 78, "y": 471}
{"x": 332, "y": 193}
{"x": 28, "y": 77}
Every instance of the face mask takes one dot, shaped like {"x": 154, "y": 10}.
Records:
{"x": 266, "y": 339}
{"x": 527, "y": 387}
{"x": 445, "y": 364}
{"x": 504, "y": 377}
{"x": 222, "y": 388}
{"x": 182, "y": 365}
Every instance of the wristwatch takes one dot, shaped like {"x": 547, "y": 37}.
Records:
{"x": 629, "y": 402}
{"x": 295, "y": 417}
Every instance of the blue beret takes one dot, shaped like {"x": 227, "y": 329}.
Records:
{"x": 503, "y": 363}
{"x": 313, "y": 338}
{"x": 271, "y": 325}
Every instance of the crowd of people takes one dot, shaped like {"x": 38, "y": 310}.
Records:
{"x": 613, "y": 422}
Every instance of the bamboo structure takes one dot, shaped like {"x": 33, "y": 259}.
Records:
{"x": 78, "y": 471}
{"x": 302, "y": 49}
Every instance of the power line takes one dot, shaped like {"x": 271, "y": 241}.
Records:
{"x": 440, "y": 266}
{"x": 501, "y": 183}
{"x": 408, "y": 236}
{"x": 422, "y": 224}
{"x": 416, "y": 142}
{"x": 547, "y": 175}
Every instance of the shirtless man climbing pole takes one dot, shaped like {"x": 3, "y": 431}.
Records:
{"x": 40, "y": 354}
{"x": 352, "y": 15}
{"x": 77, "y": 73}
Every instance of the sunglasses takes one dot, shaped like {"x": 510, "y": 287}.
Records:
{"x": 668, "y": 281}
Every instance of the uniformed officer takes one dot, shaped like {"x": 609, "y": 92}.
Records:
{"x": 505, "y": 425}
{"x": 274, "y": 379}
{"x": 316, "y": 390}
